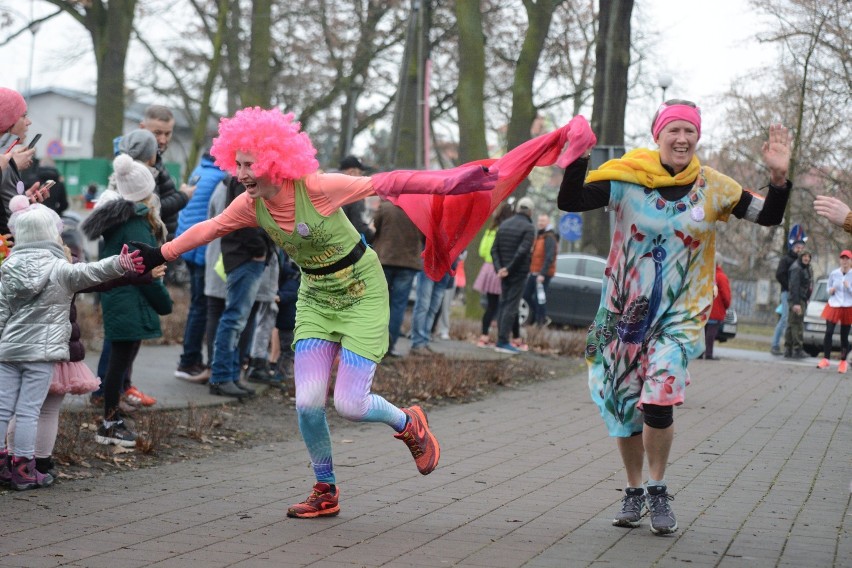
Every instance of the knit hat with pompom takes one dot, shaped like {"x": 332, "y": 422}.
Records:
{"x": 134, "y": 180}
{"x": 30, "y": 223}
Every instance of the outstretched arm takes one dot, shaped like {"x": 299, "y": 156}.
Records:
{"x": 456, "y": 181}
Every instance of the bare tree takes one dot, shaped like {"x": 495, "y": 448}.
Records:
{"x": 612, "y": 63}
{"x": 110, "y": 25}
{"x": 810, "y": 92}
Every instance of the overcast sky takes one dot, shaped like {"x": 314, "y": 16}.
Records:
{"x": 704, "y": 46}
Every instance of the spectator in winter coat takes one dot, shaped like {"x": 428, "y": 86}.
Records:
{"x": 782, "y": 275}
{"x": 399, "y": 244}
{"x": 204, "y": 179}
{"x": 542, "y": 269}
{"x": 511, "y": 254}
{"x": 801, "y": 286}
{"x": 130, "y": 313}
{"x": 160, "y": 121}
{"x": 721, "y": 303}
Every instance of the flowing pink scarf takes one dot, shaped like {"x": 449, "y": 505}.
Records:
{"x": 450, "y": 222}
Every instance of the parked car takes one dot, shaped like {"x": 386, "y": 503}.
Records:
{"x": 815, "y": 325}
{"x": 574, "y": 292}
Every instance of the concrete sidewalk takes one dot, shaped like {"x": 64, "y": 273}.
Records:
{"x": 760, "y": 471}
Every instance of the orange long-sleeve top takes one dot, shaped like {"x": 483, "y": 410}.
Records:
{"x": 327, "y": 192}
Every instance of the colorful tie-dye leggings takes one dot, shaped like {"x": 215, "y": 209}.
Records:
{"x": 352, "y": 398}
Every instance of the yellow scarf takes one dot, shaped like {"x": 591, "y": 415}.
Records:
{"x": 643, "y": 167}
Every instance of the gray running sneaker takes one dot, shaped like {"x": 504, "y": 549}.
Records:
{"x": 632, "y": 507}
{"x": 663, "y": 519}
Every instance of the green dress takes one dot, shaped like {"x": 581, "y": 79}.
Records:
{"x": 350, "y": 306}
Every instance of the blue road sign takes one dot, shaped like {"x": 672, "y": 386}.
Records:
{"x": 571, "y": 227}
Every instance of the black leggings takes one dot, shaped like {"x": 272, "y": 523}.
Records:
{"x": 490, "y": 312}
{"x": 120, "y": 359}
{"x": 844, "y": 339}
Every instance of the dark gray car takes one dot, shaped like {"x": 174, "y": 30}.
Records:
{"x": 574, "y": 292}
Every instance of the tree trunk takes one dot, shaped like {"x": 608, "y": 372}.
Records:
{"x": 257, "y": 89}
{"x": 110, "y": 29}
{"x": 471, "y": 108}
{"x": 200, "y": 132}
{"x": 232, "y": 76}
{"x": 539, "y": 15}
{"x": 610, "y": 100}
{"x": 404, "y": 142}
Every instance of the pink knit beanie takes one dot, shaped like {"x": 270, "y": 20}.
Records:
{"x": 12, "y": 107}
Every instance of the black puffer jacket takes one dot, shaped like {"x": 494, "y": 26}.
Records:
{"x": 782, "y": 273}
{"x": 801, "y": 283}
{"x": 171, "y": 200}
{"x": 512, "y": 248}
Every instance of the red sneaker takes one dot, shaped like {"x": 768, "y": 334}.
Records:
{"x": 138, "y": 398}
{"x": 420, "y": 441}
{"x": 320, "y": 503}
{"x": 843, "y": 366}
{"x": 823, "y": 364}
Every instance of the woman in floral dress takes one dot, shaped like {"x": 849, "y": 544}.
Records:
{"x": 658, "y": 287}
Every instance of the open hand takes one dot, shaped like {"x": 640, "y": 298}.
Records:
{"x": 776, "y": 154}
{"x": 832, "y": 209}
{"x": 131, "y": 261}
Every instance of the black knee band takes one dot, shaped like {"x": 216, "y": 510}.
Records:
{"x": 656, "y": 416}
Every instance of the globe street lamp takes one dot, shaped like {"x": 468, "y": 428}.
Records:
{"x": 664, "y": 81}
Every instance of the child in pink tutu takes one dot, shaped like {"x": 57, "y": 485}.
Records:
{"x": 35, "y": 301}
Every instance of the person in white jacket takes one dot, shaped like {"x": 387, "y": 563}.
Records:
{"x": 838, "y": 310}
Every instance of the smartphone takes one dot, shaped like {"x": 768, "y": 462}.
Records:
{"x": 47, "y": 185}
{"x": 33, "y": 142}
{"x": 193, "y": 180}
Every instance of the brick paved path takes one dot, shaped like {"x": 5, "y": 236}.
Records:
{"x": 760, "y": 470}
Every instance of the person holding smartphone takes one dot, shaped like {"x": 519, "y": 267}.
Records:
{"x": 14, "y": 124}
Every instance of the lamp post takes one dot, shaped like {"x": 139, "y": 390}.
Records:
{"x": 664, "y": 81}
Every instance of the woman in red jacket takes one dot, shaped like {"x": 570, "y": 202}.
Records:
{"x": 721, "y": 303}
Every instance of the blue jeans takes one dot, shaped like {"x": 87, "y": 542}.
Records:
{"x": 196, "y": 318}
{"x": 243, "y": 284}
{"x": 430, "y": 296}
{"x": 399, "y": 287}
{"x": 781, "y": 326}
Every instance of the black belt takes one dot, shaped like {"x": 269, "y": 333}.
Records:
{"x": 354, "y": 256}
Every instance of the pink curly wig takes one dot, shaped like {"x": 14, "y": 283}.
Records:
{"x": 280, "y": 150}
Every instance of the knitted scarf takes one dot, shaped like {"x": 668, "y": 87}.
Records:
{"x": 643, "y": 167}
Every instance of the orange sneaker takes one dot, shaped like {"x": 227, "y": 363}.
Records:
{"x": 823, "y": 364}
{"x": 843, "y": 366}
{"x": 138, "y": 398}
{"x": 320, "y": 503}
{"x": 423, "y": 446}
{"x": 519, "y": 344}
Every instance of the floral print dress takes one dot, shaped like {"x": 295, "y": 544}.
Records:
{"x": 657, "y": 293}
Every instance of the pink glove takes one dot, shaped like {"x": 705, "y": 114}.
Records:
{"x": 131, "y": 261}
{"x": 581, "y": 139}
{"x": 474, "y": 178}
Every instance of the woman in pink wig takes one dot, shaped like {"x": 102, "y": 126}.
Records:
{"x": 342, "y": 308}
